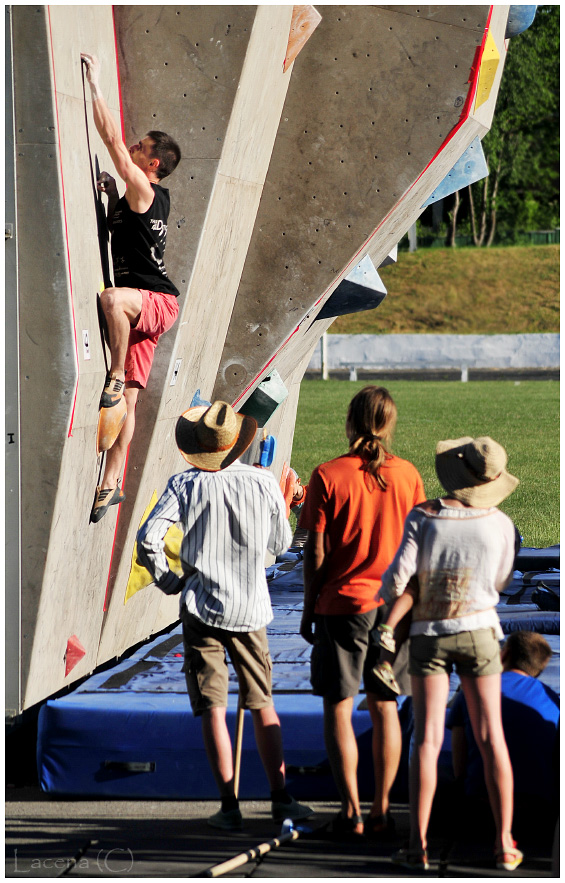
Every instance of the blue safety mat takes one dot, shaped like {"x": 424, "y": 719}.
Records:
{"x": 128, "y": 731}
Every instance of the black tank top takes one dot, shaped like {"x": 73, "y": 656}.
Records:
{"x": 138, "y": 245}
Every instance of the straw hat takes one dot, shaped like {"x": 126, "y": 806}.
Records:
{"x": 211, "y": 438}
{"x": 473, "y": 470}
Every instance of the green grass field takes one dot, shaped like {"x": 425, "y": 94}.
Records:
{"x": 512, "y": 290}
{"x": 524, "y": 417}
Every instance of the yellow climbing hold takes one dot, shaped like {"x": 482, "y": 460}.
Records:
{"x": 139, "y": 576}
{"x": 487, "y": 72}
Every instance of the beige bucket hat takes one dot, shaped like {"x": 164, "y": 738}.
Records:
{"x": 473, "y": 470}
{"x": 211, "y": 438}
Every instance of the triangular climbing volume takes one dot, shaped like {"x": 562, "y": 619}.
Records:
{"x": 305, "y": 20}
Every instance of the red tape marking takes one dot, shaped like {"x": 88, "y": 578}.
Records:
{"x": 70, "y": 432}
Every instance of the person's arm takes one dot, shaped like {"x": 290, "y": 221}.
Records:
{"x": 313, "y": 565}
{"x": 299, "y": 494}
{"x": 151, "y": 545}
{"x": 139, "y": 193}
{"x": 404, "y": 564}
{"x": 280, "y": 534}
{"x": 509, "y": 544}
{"x": 107, "y": 184}
{"x": 400, "y": 608}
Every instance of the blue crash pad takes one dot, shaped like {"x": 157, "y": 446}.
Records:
{"x": 128, "y": 731}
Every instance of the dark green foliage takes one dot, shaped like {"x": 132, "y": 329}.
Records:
{"x": 522, "y": 146}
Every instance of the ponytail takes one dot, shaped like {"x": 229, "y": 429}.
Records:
{"x": 371, "y": 420}
{"x": 374, "y": 454}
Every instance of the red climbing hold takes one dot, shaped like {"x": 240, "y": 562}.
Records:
{"x": 74, "y": 653}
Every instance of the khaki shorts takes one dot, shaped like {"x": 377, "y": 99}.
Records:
{"x": 474, "y": 654}
{"x": 206, "y": 666}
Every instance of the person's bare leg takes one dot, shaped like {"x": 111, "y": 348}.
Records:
{"x": 387, "y": 748}
{"x": 483, "y": 699}
{"x": 122, "y": 307}
{"x": 341, "y": 746}
{"x": 429, "y": 696}
{"x": 116, "y": 455}
{"x": 268, "y": 736}
{"x": 218, "y": 749}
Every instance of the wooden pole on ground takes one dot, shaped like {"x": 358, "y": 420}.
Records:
{"x": 244, "y": 857}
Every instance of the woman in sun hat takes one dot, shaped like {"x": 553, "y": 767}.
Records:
{"x": 461, "y": 550}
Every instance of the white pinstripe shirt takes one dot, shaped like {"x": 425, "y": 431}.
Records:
{"x": 230, "y": 519}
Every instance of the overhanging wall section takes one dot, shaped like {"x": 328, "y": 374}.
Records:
{"x": 416, "y": 94}
{"x": 367, "y": 109}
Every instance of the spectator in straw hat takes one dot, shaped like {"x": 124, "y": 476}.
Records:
{"x": 461, "y": 549}
{"x": 231, "y": 514}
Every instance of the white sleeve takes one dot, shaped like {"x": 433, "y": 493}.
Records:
{"x": 405, "y": 563}
{"x": 508, "y": 553}
{"x": 280, "y": 534}
{"x": 150, "y": 540}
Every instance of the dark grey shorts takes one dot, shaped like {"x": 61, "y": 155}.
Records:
{"x": 345, "y": 652}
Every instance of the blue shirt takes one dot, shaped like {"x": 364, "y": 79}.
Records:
{"x": 530, "y": 717}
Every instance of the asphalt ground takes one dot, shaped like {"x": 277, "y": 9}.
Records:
{"x": 52, "y": 837}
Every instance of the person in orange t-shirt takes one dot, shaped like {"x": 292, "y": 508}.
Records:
{"x": 354, "y": 513}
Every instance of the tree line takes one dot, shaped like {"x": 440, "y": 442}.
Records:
{"x": 521, "y": 192}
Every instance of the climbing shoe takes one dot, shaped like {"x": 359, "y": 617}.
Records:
{"x": 113, "y": 391}
{"x": 105, "y": 497}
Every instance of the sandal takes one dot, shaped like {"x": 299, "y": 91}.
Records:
{"x": 379, "y": 827}
{"x": 415, "y": 859}
{"x": 343, "y": 828}
{"x": 383, "y": 671}
{"x": 508, "y": 859}
{"x": 386, "y": 638}
{"x": 105, "y": 497}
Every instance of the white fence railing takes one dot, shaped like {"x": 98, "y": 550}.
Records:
{"x": 406, "y": 352}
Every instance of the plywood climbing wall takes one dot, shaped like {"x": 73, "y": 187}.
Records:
{"x": 378, "y": 109}
{"x": 300, "y": 156}
{"x": 64, "y": 564}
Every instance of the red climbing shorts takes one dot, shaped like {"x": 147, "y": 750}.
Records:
{"x": 158, "y": 314}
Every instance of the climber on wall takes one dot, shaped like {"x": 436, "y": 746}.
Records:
{"x": 143, "y": 304}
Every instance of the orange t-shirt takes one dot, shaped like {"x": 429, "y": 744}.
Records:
{"x": 363, "y": 527}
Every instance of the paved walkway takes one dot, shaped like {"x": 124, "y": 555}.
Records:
{"x": 48, "y": 837}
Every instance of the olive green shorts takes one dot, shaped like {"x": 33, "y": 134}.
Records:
{"x": 474, "y": 654}
{"x": 206, "y": 665}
